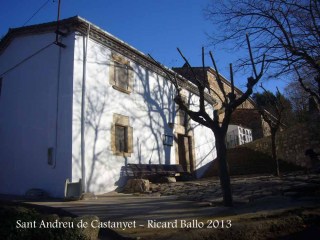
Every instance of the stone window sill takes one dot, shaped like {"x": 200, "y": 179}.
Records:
{"x": 121, "y": 89}
{"x": 122, "y": 154}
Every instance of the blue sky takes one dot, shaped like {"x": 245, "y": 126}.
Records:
{"x": 157, "y": 27}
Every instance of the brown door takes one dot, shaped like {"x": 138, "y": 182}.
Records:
{"x": 184, "y": 150}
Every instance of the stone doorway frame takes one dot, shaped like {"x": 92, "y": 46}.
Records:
{"x": 180, "y": 130}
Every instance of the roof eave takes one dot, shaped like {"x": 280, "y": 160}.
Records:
{"x": 80, "y": 24}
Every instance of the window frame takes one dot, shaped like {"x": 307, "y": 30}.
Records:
{"x": 119, "y": 61}
{"x": 125, "y": 139}
{"x": 121, "y": 121}
{"x": 119, "y": 83}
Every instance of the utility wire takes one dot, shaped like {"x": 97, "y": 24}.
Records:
{"x": 40, "y": 8}
{"x": 26, "y": 59}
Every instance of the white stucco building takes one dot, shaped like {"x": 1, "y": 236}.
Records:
{"x": 237, "y": 135}
{"x": 97, "y": 100}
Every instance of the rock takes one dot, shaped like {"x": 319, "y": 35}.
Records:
{"x": 165, "y": 180}
{"x": 137, "y": 185}
{"x": 88, "y": 196}
{"x": 170, "y": 179}
{"x": 91, "y": 231}
{"x": 50, "y": 218}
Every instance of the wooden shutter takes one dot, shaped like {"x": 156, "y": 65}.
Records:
{"x": 130, "y": 79}
{"x": 124, "y": 135}
{"x": 122, "y": 76}
{"x": 113, "y": 138}
{"x": 130, "y": 139}
{"x": 112, "y": 80}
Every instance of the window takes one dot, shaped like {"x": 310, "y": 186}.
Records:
{"x": 121, "y": 74}
{"x": 121, "y": 136}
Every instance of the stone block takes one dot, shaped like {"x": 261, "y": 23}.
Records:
{"x": 88, "y": 196}
{"x": 137, "y": 185}
{"x": 89, "y": 232}
{"x": 169, "y": 179}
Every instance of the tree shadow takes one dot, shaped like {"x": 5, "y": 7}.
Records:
{"x": 158, "y": 106}
{"x": 150, "y": 107}
{"x": 97, "y": 100}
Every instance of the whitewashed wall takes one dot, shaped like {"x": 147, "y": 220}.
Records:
{"x": 40, "y": 108}
{"x": 30, "y": 119}
{"x": 150, "y": 107}
{"x": 204, "y": 141}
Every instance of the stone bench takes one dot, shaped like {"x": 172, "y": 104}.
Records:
{"x": 151, "y": 170}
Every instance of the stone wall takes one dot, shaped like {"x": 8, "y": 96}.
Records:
{"x": 210, "y": 78}
{"x": 246, "y": 161}
{"x": 291, "y": 143}
{"x": 245, "y": 115}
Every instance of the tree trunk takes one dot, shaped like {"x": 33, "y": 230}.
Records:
{"x": 274, "y": 151}
{"x": 224, "y": 170}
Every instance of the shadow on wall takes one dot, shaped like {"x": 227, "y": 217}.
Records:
{"x": 124, "y": 175}
{"x": 154, "y": 98}
{"x": 97, "y": 100}
{"x": 159, "y": 117}
{"x": 152, "y": 95}
{"x": 202, "y": 172}
{"x": 152, "y": 111}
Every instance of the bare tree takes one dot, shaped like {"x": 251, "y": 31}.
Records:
{"x": 287, "y": 32}
{"x": 272, "y": 109}
{"x": 230, "y": 101}
{"x": 299, "y": 100}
